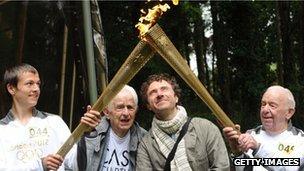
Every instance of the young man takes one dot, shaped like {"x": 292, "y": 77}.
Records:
{"x": 202, "y": 147}
{"x": 29, "y": 137}
{"x": 113, "y": 144}
{"x": 276, "y": 137}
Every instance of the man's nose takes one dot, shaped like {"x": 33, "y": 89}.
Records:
{"x": 125, "y": 111}
{"x": 266, "y": 108}
{"x": 159, "y": 94}
{"x": 36, "y": 87}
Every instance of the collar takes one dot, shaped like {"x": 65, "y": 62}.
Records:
{"x": 10, "y": 116}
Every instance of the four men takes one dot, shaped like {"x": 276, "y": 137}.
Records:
{"x": 30, "y": 138}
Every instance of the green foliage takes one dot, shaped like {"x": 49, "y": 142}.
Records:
{"x": 249, "y": 34}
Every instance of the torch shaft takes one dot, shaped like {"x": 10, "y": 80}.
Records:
{"x": 140, "y": 55}
{"x": 157, "y": 38}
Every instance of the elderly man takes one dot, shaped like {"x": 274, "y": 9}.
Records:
{"x": 202, "y": 146}
{"x": 276, "y": 137}
{"x": 113, "y": 144}
{"x": 29, "y": 137}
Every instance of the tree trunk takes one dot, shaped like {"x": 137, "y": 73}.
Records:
{"x": 100, "y": 48}
{"x": 220, "y": 47}
{"x": 280, "y": 56}
{"x": 289, "y": 62}
{"x": 187, "y": 50}
{"x": 213, "y": 81}
{"x": 301, "y": 45}
{"x": 200, "y": 51}
{"x": 289, "y": 70}
{"x": 301, "y": 62}
{"x": 22, "y": 22}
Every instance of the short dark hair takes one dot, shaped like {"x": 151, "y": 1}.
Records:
{"x": 159, "y": 77}
{"x": 11, "y": 75}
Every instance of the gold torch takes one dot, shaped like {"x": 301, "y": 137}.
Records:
{"x": 157, "y": 38}
{"x": 140, "y": 55}
{"x": 136, "y": 60}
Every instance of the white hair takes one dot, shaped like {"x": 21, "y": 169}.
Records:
{"x": 132, "y": 92}
{"x": 128, "y": 90}
{"x": 291, "y": 102}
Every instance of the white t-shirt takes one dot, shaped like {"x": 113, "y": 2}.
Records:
{"x": 116, "y": 153}
{"x": 288, "y": 144}
{"x": 284, "y": 145}
{"x": 23, "y": 146}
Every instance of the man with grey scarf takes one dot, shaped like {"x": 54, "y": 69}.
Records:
{"x": 201, "y": 148}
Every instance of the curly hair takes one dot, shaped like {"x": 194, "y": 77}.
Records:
{"x": 159, "y": 77}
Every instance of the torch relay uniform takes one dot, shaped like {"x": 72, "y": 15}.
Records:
{"x": 202, "y": 147}
{"x": 102, "y": 149}
{"x": 288, "y": 144}
{"x": 23, "y": 146}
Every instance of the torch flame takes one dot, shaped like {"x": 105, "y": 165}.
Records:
{"x": 175, "y": 2}
{"x": 147, "y": 21}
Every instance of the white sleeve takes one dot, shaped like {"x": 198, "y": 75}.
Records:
{"x": 262, "y": 152}
{"x": 70, "y": 160}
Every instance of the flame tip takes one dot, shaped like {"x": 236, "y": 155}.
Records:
{"x": 151, "y": 16}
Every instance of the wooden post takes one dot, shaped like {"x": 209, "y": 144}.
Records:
{"x": 63, "y": 68}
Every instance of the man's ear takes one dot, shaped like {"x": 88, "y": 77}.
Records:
{"x": 176, "y": 99}
{"x": 106, "y": 112}
{"x": 11, "y": 89}
{"x": 290, "y": 113}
